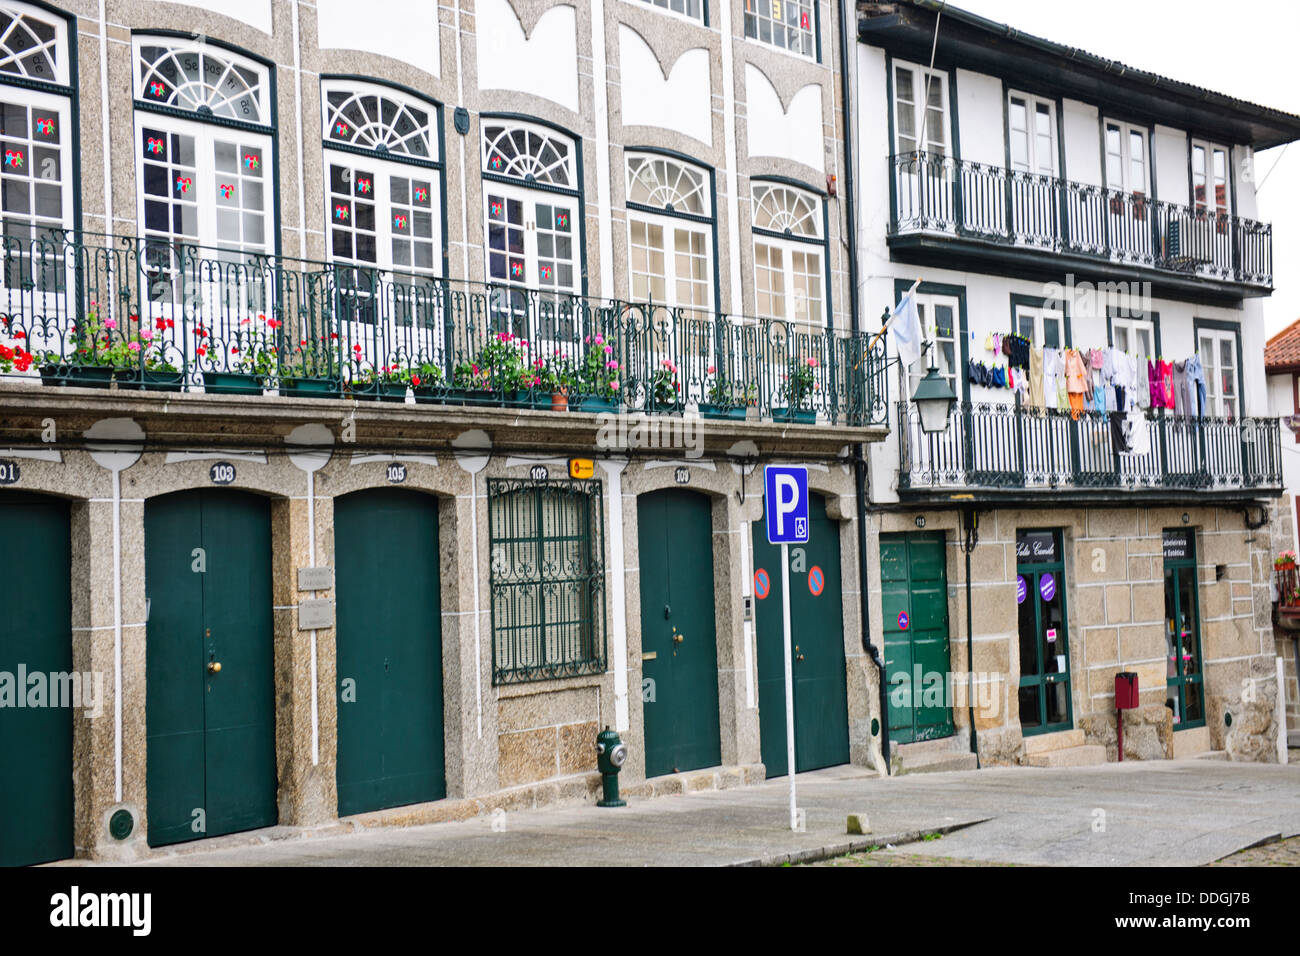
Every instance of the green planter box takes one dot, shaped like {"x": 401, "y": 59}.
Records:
{"x": 469, "y": 396}
{"x": 732, "y": 412}
{"x": 232, "y": 383}
{"x": 523, "y": 398}
{"x": 81, "y": 376}
{"x": 310, "y": 387}
{"x": 593, "y": 405}
{"x": 379, "y": 391}
{"x": 665, "y": 408}
{"x": 800, "y": 416}
{"x": 148, "y": 380}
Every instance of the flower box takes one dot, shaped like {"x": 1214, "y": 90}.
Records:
{"x": 232, "y": 383}
{"x": 665, "y": 408}
{"x": 801, "y": 416}
{"x": 310, "y": 387}
{"x": 593, "y": 405}
{"x": 469, "y": 396}
{"x": 81, "y": 376}
{"x": 148, "y": 380}
{"x": 378, "y": 391}
{"x": 733, "y": 412}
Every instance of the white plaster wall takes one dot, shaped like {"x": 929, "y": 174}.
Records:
{"x": 256, "y": 13}
{"x": 347, "y": 25}
{"x": 1281, "y": 403}
{"x": 544, "y": 63}
{"x": 1244, "y": 177}
{"x": 979, "y": 114}
{"x": 1171, "y": 165}
{"x": 1082, "y": 142}
{"x": 794, "y": 133}
{"x": 678, "y": 99}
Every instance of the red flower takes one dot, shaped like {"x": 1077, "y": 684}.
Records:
{"x": 20, "y": 335}
{"x": 201, "y": 351}
{"x": 415, "y": 380}
{"x": 6, "y": 352}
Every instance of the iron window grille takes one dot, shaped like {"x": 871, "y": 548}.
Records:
{"x": 547, "y": 579}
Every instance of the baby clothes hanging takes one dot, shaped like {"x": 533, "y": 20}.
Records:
{"x": 1036, "y": 378}
{"x": 1076, "y": 381}
{"x": 1196, "y": 385}
{"x": 1166, "y": 382}
{"x": 1142, "y": 384}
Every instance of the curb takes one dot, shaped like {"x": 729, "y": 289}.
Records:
{"x": 831, "y": 850}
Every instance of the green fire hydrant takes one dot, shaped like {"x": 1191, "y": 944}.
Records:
{"x": 611, "y": 753}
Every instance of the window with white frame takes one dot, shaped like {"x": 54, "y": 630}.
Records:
{"x": 1218, "y": 352}
{"x": 36, "y": 200}
{"x": 670, "y": 233}
{"x": 1031, "y": 132}
{"x": 785, "y": 24}
{"x": 920, "y": 110}
{"x": 789, "y": 254}
{"x": 1126, "y": 157}
{"x": 530, "y": 199}
{"x": 383, "y": 182}
{"x": 939, "y": 319}
{"x": 693, "y": 9}
{"x": 1136, "y": 336}
{"x": 202, "y": 184}
{"x": 1210, "y": 180}
{"x": 1045, "y": 328}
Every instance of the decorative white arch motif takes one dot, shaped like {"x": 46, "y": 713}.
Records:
{"x": 198, "y": 78}
{"x": 664, "y": 183}
{"x": 529, "y": 153}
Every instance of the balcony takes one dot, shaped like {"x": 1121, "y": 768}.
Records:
{"x": 970, "y": 215}
{"x": 148, "y": 316}
{"x": 1000, "y": 451}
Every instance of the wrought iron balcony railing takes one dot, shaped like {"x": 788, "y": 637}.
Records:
{"x": 998, "y": 447}
{"x": 936, "y": 194}
{"x": 152, "y": 315}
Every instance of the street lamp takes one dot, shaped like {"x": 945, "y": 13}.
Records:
{"x": 934, "y": 399}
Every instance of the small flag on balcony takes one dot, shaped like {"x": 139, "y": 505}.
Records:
{"x": 905, "y": 323}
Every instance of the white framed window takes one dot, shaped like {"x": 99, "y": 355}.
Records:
{"x": 690, "y": 9}
{"x": 201, "y": 183}
{"x": 383, "y": 180}
{"x": 1218, "y": 352}
{"x": 1126, "y": 158}
{"x": 670, "y": 234}
{"x": 1031, "y": 134}
{"x": 784, "y": 24}
{"x": 1135, "y": 336}
{"x": 1211, "y": 185}
{"x": 939, "y": 316}
{"x": 1045, "y": 328}
{"x": 33, "y": 43}
{"x": 920, "y": 110}
{"x": 789, "y": 254}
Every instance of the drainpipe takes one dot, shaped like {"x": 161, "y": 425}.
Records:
{"x": 859, "y": 458}
{"x": 971, "y": 530}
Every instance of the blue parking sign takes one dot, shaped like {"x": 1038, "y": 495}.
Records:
{"x": 785, "y": 499}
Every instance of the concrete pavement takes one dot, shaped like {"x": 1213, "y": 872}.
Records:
{"x": 1184, "y": 812}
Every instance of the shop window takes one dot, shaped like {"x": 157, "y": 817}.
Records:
{"x": 1044, "y": 691}
{"x": 1185, "y": 678}
{"x": 547, "y": 579}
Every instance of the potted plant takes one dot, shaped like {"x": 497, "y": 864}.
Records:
{"x": 727, "y": 399}
{"x": 427, "y": 382}
{"x": 249, "y": 357}
{"x": 470, "y": 384}
{"x": 599, "y": 377}
{"x": 798, "y": 390}
{"x": 665, "y": 389}
{"x": 1285, "y": 561}
{"x": 388, "y": 383}
{"x": 14, "y": 358}
{"x": 125, "y": 351}
{"x": 312, "y": 369}
{"x": 558, "y": 376}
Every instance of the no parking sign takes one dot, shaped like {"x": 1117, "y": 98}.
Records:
{"x": 816, "y": 581}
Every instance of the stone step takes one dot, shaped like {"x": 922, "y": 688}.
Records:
{"x": 1061, "y": 740}
{"x": 951, "y": 744}
{"x": 935, "y": 763}
{"x": 1211, "y": 755}
{"x": 1086, "y": 755}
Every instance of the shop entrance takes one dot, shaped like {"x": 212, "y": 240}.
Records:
{"x": 1044, "y": 633}
{"x": 1184, "y": 679}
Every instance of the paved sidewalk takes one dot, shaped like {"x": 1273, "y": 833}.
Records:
{"x": 1186, "y": 812}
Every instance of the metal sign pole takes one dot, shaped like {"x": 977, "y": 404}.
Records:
{"x": 789, "y": 681}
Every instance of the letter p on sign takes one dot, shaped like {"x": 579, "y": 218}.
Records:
{"x": 785, "y": 499}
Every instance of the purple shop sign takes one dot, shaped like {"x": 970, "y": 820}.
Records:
{"x": 1047, "y": 586}
{"x": 1022, "y": 589}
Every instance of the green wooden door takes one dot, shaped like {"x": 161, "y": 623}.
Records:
{"x": 914, "y": 606}
{"x": 35, "y": 639}
{"x": 678, "y": 636}
{"x": 389, "y": 633}
{"x": 211, "y": 734}
{"x": 821, "y": 701}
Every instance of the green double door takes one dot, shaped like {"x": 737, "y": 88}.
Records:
{"x": 914, "y": 606}
{"x": 1044, "y": 633}
{"x": 679, "y": 654}
{"x": 210, "y": 693}
{"x": 35, "y": 639}
{"x": 389, "y": 634}
{"x": 821, "y": 700}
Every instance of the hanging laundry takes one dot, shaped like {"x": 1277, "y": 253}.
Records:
{"x": 1095, "y": 359}
{"x": 988, "y": 343}
{"x": 1036, "y": 378}
{"x": 1196, "y": 385}
{"x": 1166, "y": 370}
{"x": 1119, "y": 439}
{"x": 1139, "y": 433}
{"x": 1142, "y": 386}
{"x": 1157, "y": 389}
{"x": 1076, "y": 381}
{"x": 1182, "y": 407}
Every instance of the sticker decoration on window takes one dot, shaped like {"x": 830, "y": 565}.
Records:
{"x": 546, "y": 272}
{"x": 13, "y": 159}
{"x": 158, "y": 89}
{"x": 496, "y": 163}
{"x": 517, "y": 269}
{"x": 155, "y": 146}
{"x": 341, "y": 213}
{"x": 364, "y": 186}
{"x": 252, "y": 161}
{"x": 421, "y": 195}
{"x": 45, "y": 125}
{"x": 183, "y": 184}
{"x": 226, "y": 190}
{"x": 496, "y": 210}
{"x": 399, "y": 221}
{"x": 341, "y": 128}
{"x": 562, "y": 220}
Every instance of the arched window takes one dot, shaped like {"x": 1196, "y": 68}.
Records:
{"x": 202, "y": 183}
{"x": 36, "y": 125}
{"x": 532, "y": 234}
{"x": 670, "y": 232}
{"x": 789, "y": 254}
{"x": 383, "y": 180}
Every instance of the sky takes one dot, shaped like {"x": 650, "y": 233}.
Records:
{"x": 1246, "y": 49}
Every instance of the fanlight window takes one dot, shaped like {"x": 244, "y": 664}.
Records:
{"x": 31, "y": 46}
{"x": 528, "y": 153}
{"x": 787, "y": 211}
{"x": 202, "y": 80}
{"x": 667, "y": 184}
{"x": 372, "y": 120}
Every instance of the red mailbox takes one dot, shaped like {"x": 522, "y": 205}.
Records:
{"x": 1126, "y": 690}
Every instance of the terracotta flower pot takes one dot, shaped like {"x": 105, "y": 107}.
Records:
{"x": 559, "y": 402}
